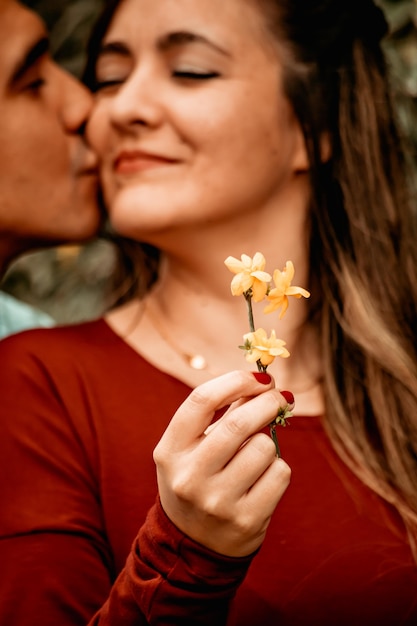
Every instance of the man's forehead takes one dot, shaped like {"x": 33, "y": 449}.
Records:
{"x": 20, "y": 30}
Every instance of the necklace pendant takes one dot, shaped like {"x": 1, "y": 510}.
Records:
{"x": 197, "y": 362}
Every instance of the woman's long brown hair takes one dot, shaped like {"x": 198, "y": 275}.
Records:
{"x": 363, "y": 244}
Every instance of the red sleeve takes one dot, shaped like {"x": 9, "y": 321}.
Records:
{"x": 171, "y": 579}
{"x": 56, "y": 563}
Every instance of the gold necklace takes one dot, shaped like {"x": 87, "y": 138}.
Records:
{"x": 194, "y": 361}
{"x": 198, "y": 361}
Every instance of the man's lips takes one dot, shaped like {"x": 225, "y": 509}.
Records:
{"x": 88, "y": 171}
{"x": 136, "y": 161}
{"x": 85, "y": 163}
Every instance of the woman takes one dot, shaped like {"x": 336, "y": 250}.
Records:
{"x": 227, "y": 128}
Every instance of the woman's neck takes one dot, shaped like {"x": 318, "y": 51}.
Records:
{"x": 191, "y": 310}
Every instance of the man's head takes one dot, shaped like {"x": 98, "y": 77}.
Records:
{"x": 48, "y": 185}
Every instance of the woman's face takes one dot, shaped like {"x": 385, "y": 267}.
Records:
{"x": 190, "y": 121}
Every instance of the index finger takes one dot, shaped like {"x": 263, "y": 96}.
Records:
{"x": 198, "y": 410}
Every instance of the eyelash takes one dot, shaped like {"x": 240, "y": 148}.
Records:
{"x": 195, "y": 75}
{"x": 103, "y": 84}
{"x": 183, "y": 75}
{"x": 35, "y": 85}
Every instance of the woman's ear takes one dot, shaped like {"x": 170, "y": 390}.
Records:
{"x": 301, "y": 161}
{"x": 325, "y": 147}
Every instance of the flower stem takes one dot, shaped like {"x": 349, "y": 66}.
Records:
{"x": 248, "y": 298}
{"x": 272, "y": 430}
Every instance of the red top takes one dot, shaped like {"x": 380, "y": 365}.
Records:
{"x": 81, "y": 412}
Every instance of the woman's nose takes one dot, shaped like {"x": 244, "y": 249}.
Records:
{"x": 137, "y": 102}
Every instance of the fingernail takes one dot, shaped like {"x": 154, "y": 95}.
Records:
{"x": 262, "y": 377}
{"x": 288, "y": 396}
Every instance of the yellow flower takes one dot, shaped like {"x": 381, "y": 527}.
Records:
{"x": 278, "y": 297}
{"x": 261, "y": 348}
{"x": 250, "y": 275}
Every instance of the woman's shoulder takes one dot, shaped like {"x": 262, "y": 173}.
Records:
{"x": 86, "y": 353}
{"x": 60, "y": 352}
{"x": 55, "y": 340}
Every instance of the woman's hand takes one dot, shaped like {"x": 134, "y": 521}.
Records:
{"x": 220, "y": 484}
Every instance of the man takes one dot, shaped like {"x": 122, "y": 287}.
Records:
{"x": 48, "y": 182}
{"x": 47, "y": 173}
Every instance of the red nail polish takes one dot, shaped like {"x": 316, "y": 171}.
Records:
{"x": 262, "y": 377}
{"x": 288, "y": 396}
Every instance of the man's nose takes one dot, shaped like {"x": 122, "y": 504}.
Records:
{"x": 77, "y": 102}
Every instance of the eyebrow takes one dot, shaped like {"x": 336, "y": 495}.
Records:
{"x": 113, "y": 47}
{"x": 29, "y": 58}
{"x": 181, "y": 38}
{"x": 172, "y": 40}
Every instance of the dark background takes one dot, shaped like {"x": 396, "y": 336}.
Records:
{"x": 68, "y": 282}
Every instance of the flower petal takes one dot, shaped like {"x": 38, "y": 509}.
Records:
{"x": 236, "y": 286}
{"x": 284, "y": 308}
{"x": 297, "y": 292}
{"x": 289, "y": 270}
{"x": 259, "y": 261}
{"x": 263, "y": 276}
{"x": 276, "y": 299}
{"x": 247, "y": 261}
{"x": 259, "y": 290}
{"x": 233, "y": 264}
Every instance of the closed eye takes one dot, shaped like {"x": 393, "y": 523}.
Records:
{"x": 193, "y": 75}
{"x": 35, "y": 85}
{"x": 100, "y": 85}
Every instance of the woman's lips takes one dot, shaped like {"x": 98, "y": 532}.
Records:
{"x": 135, "y": 162}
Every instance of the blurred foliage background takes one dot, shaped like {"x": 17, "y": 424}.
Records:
{"x": 69, "y": 282}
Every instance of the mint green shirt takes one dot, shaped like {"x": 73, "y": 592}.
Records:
{"x": 16, "y": 315}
